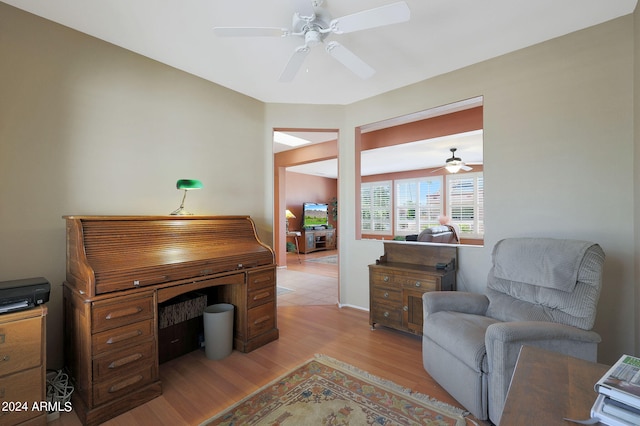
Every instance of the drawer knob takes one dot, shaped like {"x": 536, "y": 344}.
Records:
{"x": 386, "y": 294}
{"x": 418, "y": 284}
{"x": 405, "y": 308}
{"x": 386, "y": 314}
{"x": 5, "y": 358}
{"x": 385, "y": 279}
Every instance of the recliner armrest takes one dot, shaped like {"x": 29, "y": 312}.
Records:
{"x": 456, "y": 301}
{"x": 532, "y": 331}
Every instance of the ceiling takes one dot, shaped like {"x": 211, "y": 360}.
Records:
{"x": 441, "y": 36}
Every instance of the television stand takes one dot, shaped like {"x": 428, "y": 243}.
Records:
{"x": 318, "y": 239}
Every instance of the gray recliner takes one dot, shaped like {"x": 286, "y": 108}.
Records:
{"x": 540, "y": 291}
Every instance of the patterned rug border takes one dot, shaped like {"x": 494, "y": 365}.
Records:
{"x": 434, "y": 403}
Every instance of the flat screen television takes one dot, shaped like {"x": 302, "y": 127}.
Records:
{"x": 315, "y": 215}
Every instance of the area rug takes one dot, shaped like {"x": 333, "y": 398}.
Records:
{"x": 333, "y": 259}
{"x": 324, "y": 391}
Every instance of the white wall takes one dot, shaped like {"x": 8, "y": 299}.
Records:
{"x": 558, "y": 126}
{"x": 89, "y": 128}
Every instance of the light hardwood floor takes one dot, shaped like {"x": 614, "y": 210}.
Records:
{"x": 195, "y": 388}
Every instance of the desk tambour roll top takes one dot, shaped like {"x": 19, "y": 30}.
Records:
{"x": 113, "y": 253}
{"x": 119, "y": 268}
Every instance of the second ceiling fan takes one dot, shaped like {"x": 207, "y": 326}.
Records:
{"x": 313, "y": 23}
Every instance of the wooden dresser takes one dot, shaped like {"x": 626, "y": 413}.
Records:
{"x": 119, "y": 268}
{"x": 23, "y": 370}
{"x": 401, "y": 276}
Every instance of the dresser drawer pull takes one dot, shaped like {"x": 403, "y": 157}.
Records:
{"x": 386, "y": 294}
{"x": 124, "y": 361}
{"x": 124, "y": 313}
{"x": 385, "y": 279}
{"x": 129, "y": 382}
{"x": 418, "y": 284}
{"x": 262, "y": 295}
{"x": 5, "y": 358}
{"x": 262, "y": 319}
{"x": 405, "y": 308}
{"x": 125, "y": 336}
{"x": 386, "y": 314}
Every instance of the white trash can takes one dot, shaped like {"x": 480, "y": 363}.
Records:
{"x": 218, "y": 330}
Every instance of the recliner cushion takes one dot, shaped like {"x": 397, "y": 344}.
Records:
{"x": 462, "y": 335}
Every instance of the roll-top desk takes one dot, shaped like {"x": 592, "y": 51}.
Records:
{"x": 401, "y": 276}
{"x": 120, "y": 267}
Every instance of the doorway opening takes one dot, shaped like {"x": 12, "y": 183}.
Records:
{"x": 306, "y": 229}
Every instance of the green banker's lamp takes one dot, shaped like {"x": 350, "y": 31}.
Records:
{"x": 186, "y": 185}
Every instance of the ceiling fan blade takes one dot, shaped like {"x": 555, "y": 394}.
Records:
{"x": 466, "y": 168}
{"x": 350, "y": 60}
{"x": 294, "y": 64}
{"x": 384, "y": 15}
{"x": 250, "y": 31}
{"x": 304, "y": 9}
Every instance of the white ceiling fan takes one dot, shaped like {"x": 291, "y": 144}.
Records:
{"x": 454, "y": 164}
{"x": 313, "y": 23}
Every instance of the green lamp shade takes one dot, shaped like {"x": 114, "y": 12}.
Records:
{"x": 187, "y": 184}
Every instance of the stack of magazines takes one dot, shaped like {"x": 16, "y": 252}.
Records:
{"x": 618, "y": 402}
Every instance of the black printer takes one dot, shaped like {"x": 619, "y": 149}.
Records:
{"x": 17, "y": 295}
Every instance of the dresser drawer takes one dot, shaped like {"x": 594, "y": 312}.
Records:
{"x": 261, "y": 319}
{"x": 382, "y": 279}
{"x": 425, "y": 283}
{"x": 386, "y": 295}
{"x": 118, "y": 338}
{"x": 262, "y": 279}
{"x": 121, "y": 311}
{"x": 20, "y": 345}
{"x": 120, "y": 362}
{"x": 386, "y": 315}
{"x": 122, "y": 385}
{"x": 25, "y": 387}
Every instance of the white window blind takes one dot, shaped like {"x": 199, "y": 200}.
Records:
{"x": 418, "y": 204}
{"x": 375, "y": 206}
{"x": 465, "y": 206}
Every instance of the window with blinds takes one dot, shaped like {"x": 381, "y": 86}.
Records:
{"x": 465, "y": 206}
{"x": 419, "y": 203}
{"x": 376, "y": 208}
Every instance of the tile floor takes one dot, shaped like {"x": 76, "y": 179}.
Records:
{"x": 311, "y": 283}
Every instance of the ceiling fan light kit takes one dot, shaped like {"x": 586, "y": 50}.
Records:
{"x": 313, "y": 24}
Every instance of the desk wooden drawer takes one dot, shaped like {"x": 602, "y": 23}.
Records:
{"x": 25, "y": 387}
{"x": 260, "y": 296}
{"x": 20, "y": 345}
{"x": 262, "y": 279}
{"x": 119, "y": 362}
{"x": 261, "y": 319}
{"x": 118, "y": 338}
{"x": 123, "y": 385}
{"x": 121, "y": 311}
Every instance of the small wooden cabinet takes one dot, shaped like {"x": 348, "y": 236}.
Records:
{"x": 318, "y": 239}
{"x": 22, "y": 367}
{"x": 401, "y": 276}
